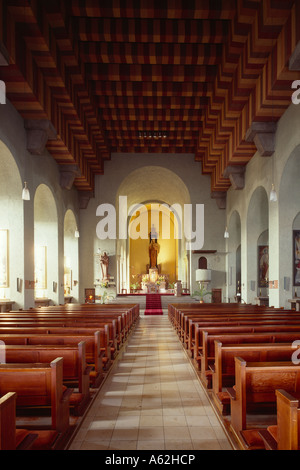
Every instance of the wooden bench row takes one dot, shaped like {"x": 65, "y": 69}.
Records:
{"x": 249, "y": 372}
{"x": 53, "y": 359}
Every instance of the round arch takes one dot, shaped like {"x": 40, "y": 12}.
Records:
{"x": 288, "y": 226}
{"x": 257, "y": 224}
{"x": 234, "y": 255}
{"x": 71, "y": 264}
{"x": 152, "y": 185}
{"x": 46, "y": 244}
{"x": 11, "y": 228}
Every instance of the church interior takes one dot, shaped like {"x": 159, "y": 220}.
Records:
{"x": 149, "y": 225}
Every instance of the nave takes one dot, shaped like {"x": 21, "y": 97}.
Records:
{"x": 152, "y": 399}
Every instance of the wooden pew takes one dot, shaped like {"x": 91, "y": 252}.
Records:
{"x": 222, "y": 314}
{"x": 103, "y": 334}
{"x": 127, "y": 314}
{"x": 192, "y": 337}
{"x": 107, "y": 331}
{"x": 285, "y": 435}
{"x": 76, "y": 373}
{"x": 94, "y": 354}
{"x": 205, "y": 354}
{"x": 223, "y": 369}
{"x": 254, "y": 391}
{"x": 12, "y": 438}
{"x": 177, "y": 313}
{"x": 190, "y": 321}
{"x": 225, "y": 312}
{"x": 39, "y": 386}
{"x": 117, "y": 327}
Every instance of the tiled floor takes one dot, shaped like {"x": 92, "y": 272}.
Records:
{"x": 152, "y": 399}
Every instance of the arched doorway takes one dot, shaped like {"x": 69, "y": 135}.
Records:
{"x": 234, "y": 256}
{"x": 161, "y": 226}
{"x": 151, "y": 184}
{"x": 45, "y": 245}
{"x": 288, "y": 226}
{"x": 71, "y": 271}
{"x": 257, "y": 243}
{"x": 11, "y": 229}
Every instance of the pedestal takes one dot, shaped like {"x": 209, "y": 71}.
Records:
{"x": 295, "y": 303}
{"x": 262, "y": 301}
{"x": 6, "y": 305}
{"x": 178, "y": 289}
{"x": 153, "y": 274}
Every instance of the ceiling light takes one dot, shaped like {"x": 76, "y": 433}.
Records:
{"x": 152, "y": 135}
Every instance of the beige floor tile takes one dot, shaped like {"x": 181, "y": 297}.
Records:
{"x": 177, "y": 432}
{"x": 202, "y": 432}
{"x": 206, "y": 444}
{"x": 151, "y": 445}
{"x": 151, "y": 420}
{"x": 179, "y": 444}
{"x": 152, "y": 399}
{"x": 98, "y": 435}
{"x": 176, "y": 420}
{"x": 122, "y": 445}
{"x": 151, "y": 433}
{"x": 127, "y": 421}
{"x": 125, "y": 434}
{"x": 198, "y": 420}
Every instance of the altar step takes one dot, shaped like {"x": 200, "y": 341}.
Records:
{"x": 141, "y": 300}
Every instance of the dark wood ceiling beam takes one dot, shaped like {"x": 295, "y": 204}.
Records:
{"x": 195, "y": 9}
{"x": 247, "y": 98}
{"x": 154, "y": 53}
{"x": 157, "y": 149}
{"x": 152, "y": 102}
{"x": 148, "y": 89}
{"x": 152, "y": 115}
{"x": 136, "y": 30}
{"x": 148, "y": 73}
{"x": 152, "y": 126}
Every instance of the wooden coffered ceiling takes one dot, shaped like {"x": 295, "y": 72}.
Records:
{"x": 194, "y": 74}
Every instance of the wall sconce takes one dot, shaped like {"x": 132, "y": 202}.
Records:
{"x": 226, "y": 233}
{"x": 273, "y": 195}
{"x": 25, "y": 193}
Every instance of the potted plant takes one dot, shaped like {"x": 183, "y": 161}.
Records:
{"x": 202, "y": 292}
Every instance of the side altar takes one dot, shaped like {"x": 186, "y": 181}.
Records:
{"x": 105, "y": 286}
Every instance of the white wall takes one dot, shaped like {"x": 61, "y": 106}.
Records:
{"x": 284, "y": 165}
{"x": 35, "y": 170}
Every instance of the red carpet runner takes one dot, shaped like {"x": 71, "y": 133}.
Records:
{"x": 153, "y": 305}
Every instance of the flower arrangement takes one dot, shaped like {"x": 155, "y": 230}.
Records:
{"x": 104, "y": 284}
{"x": 135, "y": 285}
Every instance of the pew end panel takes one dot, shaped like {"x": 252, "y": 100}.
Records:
{"x": 12, "y": 438}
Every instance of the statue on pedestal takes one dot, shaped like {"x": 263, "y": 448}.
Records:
{"x": 104, "y": 261}
{"x": 153, "y": 253}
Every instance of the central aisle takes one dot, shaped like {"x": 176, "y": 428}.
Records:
{"x": 152, "y": 399}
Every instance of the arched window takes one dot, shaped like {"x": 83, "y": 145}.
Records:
{"x": 202, "y": 263}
